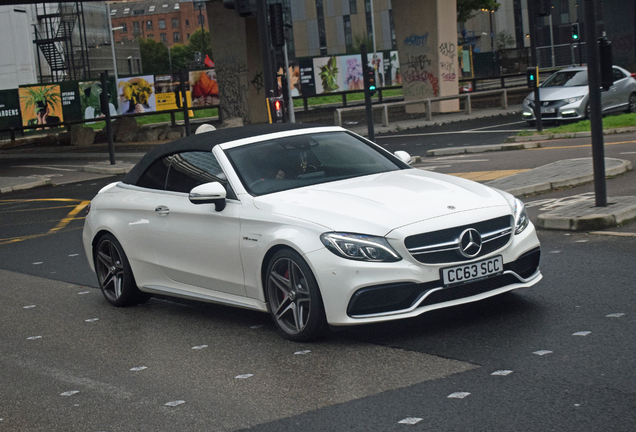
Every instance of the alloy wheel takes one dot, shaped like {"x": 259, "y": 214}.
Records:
{"x": 289, "y": 296}
{"x": 632, "y": 103}
{"x": 110, "y": 270}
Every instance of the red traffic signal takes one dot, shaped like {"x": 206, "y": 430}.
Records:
{"x": 276, "y": 110}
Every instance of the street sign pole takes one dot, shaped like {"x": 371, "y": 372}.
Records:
{"x": 183, "y": 77}
{"x": 367, "y": 96}
{"x": 596, "y": 116}
{"x": 535, "y": 62}
{"x": 106, "y": 111}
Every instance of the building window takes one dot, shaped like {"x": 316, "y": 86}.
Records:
{"x": 176, "y": 37}
{"x": 150, "y": 36}
{"x": 201, "y": 19}
{"x": 367, "y": 7}
{"x": 124, "y": 39}
{"x": 322, "y": 35}
{"x": 124, "y": 27}
{"x": 113, "y": 12}
{"x": 176, "y": 6}
{"x": 151, "y": 9}
{"x": 149, "y": 25}
{"x": 347, "y": 31}
{"x": 353, "y": 7}
{"x": 163, "y": 37}
{"x": 391, "y": 23}
{"x": 175, "y": 22}
{"x": 126, "y": 10}
{"x": 188, "y": 36}
{"x": 138, "y": 12}
{"x": 136, "y": 28}
{"x": 162, "y": 24}
{"x": 187, "y": 22}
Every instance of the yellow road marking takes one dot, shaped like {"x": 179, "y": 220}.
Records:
{"x": 39, "y": 199}
{"x": 63, "y": 223}
{"x": 488, "y": 175}
{"x": 37, "y": 209}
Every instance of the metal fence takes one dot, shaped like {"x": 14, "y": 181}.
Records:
{"x": 561, "y": 55}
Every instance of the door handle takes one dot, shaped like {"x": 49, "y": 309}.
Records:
{"x": 162, "y": 210}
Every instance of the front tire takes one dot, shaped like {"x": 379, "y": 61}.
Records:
{"x": 294, "y": 298}
{"x": 631, "y": 103}
{"x": 114, "y": 274}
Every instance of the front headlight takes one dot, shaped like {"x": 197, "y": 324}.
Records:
{"x": 360, "y": 247}
{"x": 573, "y": 99}
{"x": 521, "y": 217}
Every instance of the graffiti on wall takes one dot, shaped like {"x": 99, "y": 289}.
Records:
{"x": 416, "y": 73}
{"x": 234, "y": 85}
{"x": 416, "y": 40}
{"x": 447, "y": 55}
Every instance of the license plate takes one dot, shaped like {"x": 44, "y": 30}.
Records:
{"x": 470, "y": 272}
{"x": 548, "y": 110}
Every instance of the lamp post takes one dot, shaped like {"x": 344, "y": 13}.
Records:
{"x": 200, "y": 5}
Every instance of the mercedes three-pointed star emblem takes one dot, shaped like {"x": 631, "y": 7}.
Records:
{"x": 470, "y": 243}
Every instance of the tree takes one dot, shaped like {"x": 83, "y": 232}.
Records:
{"x": 200, "y": 42}
{"x": 154, "y": 57}
{"x": 182, "y": 56}
{"x": 466, "y": 8}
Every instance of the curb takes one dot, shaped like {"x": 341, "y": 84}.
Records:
{"x": 559, "y": 220}
{"x": 41, "y": 181}
{"x": 106, "y": 168}
{"x": 529, "y": 138}
{"x": 482, "y": 149}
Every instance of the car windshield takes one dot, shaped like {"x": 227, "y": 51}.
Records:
{"x": 303, "y": 160}
{"x": 567, "y": 79}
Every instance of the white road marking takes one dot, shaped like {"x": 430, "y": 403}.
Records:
{"x": 581, "y": 333}
{"x": 138, "y": 368}
{"x": 244, "y": 376}
{"x": 38, "y": 263}
{"x": 73, "y": 255}
{"x": 552, "y": 203}
{"x": 542, "y": 352}
{"x": 256, "y": 326}
{"x": 501, "y": 372}
{"x": 175, "y": 403}
{"x": 199, "y": 347}
{"x": 615, "y": 315}
{"x": 83, "y": 292}
{"x": 69, "y": 393}
{"x": 302, "y": 352}
{"x": 628, "y": 153}
{"x": 458, "y": 395}
{"x": 582, "y": 241}
{"x": 34, "y": 337}
{"x": 408, "y": 420}
{"x": 28, "y": 307}
{"x": 555, "y": 252}
{"x": 91, "y": 320}
{"x": 49, "y": 167}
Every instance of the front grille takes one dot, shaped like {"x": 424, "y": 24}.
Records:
{"x": 469, "y": 289}
{"x": 440, "y": 247}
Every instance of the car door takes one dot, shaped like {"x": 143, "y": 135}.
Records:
{"x": 196, "y": 245}
{"x": 619, "y": 92}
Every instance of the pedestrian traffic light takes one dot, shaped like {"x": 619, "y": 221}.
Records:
{"x": 370, "y": 71}
{"x": 575, "y": 31}
{"x": 276, "y": 110}
{"x": 277, "y": 25}
{"x": 533, "y": 77}
{"x": 605, "y": 60}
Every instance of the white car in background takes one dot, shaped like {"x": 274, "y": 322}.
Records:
{"x": 565, "y": 95}
{"x": 315, "y": 225}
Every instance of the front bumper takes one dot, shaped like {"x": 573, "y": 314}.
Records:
{"x": 361, "y": 292}
{"x": 556, "y": 111}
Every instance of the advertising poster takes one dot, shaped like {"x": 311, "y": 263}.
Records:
{"x": 90, "y": 92}
{"x": 136, "y": 94}
{"x": 351, "y": 66}
{"x": 307, "y": 82}
{"x": 41, "y": 105}
{"x": 392, "y": 68}
{"x": 71, "y": 106}
{"x": 165, "y": 86}
{"x": 377, "y": 61}
{"x": 204, "y": 88}
{"x": 10, "y": 109}
{"x": 294, "y": 79}
{"x": 327, "y": 75}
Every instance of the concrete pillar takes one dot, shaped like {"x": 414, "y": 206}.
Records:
{"x": 426, "y": 32}
{"x": 238, "y": 63}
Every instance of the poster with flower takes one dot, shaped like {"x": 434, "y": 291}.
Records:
{"x": 327, "y": 75}
{"x": 90, "y": 93}
{"x": 377, "y": 61}
{"x": 352, "y": 72}
{"x": 136, "y": 94}
{"x": 41, "y": 105}
{"x": 204, "y": 88}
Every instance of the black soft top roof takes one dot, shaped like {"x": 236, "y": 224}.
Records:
{"x": 205, "y": 142}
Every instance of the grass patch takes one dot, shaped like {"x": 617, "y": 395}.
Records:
{"x": 609, "y": 122}
{"x": 337, "y": 99}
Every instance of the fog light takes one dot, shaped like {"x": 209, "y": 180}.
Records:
{"x": 569, "y": 113}
{"x": 527, "y": 114}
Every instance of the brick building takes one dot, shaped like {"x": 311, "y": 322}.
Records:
{"x": 168, "y": 21}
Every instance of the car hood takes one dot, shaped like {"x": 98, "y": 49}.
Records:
{"x": 559, "y": 93}
{"x": 377, "y": 204}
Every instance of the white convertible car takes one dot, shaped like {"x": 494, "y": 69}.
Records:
{"x": 316, "y": 225}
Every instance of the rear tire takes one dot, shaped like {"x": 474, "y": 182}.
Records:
{"x": 294, "y": 299}
{"x": 114, "y": 274}
{"x": 631, "y": 103}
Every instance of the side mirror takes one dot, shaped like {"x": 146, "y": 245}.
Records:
{"x": 404, "y": 157}
{"x": 209, "y": 193}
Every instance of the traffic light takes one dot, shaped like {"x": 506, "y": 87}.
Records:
{"x": 276, "y": 110}
{"x": 543, "y": 7}
{"x": 370, "y": 71}
{"x": 575, "y": 32}
{"x": 277, "y": 25}
{"x": 533, "y": 77}
{"x": 605, "y": 60}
